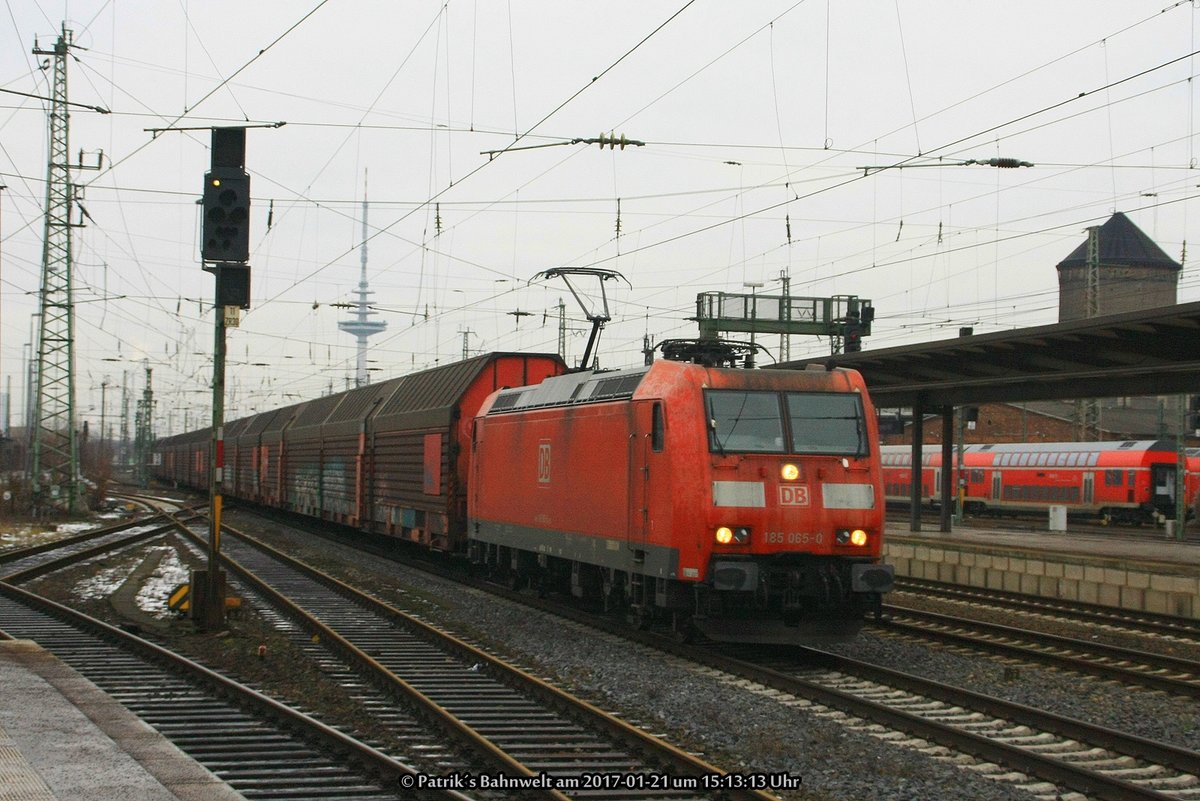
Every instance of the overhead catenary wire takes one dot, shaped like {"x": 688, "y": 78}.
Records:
{"x": 114, "y": 164}
{"x": 633, "y": 215}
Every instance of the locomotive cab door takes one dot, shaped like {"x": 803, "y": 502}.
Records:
{"x": 645, "y": 442}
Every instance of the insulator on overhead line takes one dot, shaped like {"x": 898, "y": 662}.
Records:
{"x": 1008, "y": 164}
{"x": 612, "y": 141}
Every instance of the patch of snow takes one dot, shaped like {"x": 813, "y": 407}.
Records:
{"x": 20, "y": 535}
{"x": 67, "y": 529}
{"x": 25, "y": 536}
{"x": 157, "y": 588}
{"x": 103, "y": 584}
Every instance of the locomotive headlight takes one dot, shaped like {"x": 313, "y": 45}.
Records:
{"x": 739, "y": 535}
{"x": 856, "y": 537}
{"x": 789, "y": 472}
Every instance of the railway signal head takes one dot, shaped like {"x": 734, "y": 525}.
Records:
{"x": 225, "y": 232}
{"x": 867, "y": 316}
{"x": 852, "y": 333}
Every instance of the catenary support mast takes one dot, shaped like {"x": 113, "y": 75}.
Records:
{"x": 54, "y": 449}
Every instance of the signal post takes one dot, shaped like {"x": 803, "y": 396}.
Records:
{"x": 225, "y": 251}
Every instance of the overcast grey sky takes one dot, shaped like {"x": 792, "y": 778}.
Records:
{"x": 757, "y": 117}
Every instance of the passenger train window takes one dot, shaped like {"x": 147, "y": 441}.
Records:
{"x": 745, "y": 421}
{"x": 827, "y": 423}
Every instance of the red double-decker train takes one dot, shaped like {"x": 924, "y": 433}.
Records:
{"x": 744, "y": 503}
{"x": 1129, "y": 482}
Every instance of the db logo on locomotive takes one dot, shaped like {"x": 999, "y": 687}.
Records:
{"x": 793, "y": 495}
{"x": 544, "y": 461}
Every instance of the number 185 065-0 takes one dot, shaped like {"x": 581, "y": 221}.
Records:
{"x": 792, "y": 538}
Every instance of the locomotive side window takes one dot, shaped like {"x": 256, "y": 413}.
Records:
{"x": 827, "y": 423}
{"x": 657, "y": 428}
{"x": 745, "y": 421}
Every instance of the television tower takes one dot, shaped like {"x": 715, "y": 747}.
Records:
{"x": 360, "y": 325}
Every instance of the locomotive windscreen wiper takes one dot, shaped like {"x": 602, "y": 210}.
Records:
{"x": 712, "y": 424}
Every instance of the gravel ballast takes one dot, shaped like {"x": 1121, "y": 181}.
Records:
{"x": 735, "y": 725}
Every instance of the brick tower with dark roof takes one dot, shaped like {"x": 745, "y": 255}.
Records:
{"x": 1135, "y": 273}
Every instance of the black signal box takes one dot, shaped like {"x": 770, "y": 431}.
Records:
{"x": 225, "y": 229}
{"x": 233, "y": 284}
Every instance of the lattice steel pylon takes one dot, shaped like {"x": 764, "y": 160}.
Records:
{"x": 143, "y": 442}
{"x": 54, "y": 451}
{"x": 1088, "y": 409}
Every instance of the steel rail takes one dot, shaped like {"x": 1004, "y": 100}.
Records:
{"x": 448, "y": 722}
{"x": 15, "y": 554}
{"x": 50, "y": 565}
{"x": 1030, "y": 652}
{"x": 1046, "y": 768}
{"x": 372, "y": 761}
{"x": 674, "y": 758}
{"x": 1091, "y": 783}
{"x": 1133, "y": 619}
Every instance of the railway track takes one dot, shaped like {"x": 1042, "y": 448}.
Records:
{"x": 1114, "y": 618}
{"x": 1126, "y": 665}
{"x": 261, "y": 748}
{"x": 545, "y": 741}
{"x": 512, "y": 721}
{"x": 1039, "y": 751}
{"x": 1091, "y": 760}
{"x": 23, "y": 564}
{"x": 898, "y": 523}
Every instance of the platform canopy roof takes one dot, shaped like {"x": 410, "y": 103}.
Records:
{"x": 1152, "y": 352}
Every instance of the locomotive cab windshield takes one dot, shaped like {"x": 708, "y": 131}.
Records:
{"x": 796, "y": 515}
{"x": 792, "y": 422}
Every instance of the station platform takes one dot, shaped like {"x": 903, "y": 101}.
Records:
{"x": 64, "y": 739}
{"x": 1140, "y": 569}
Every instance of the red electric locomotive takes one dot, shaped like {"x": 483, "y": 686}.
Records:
{"x": 1125, "y": 482}
{"x": 745, "y": 503}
